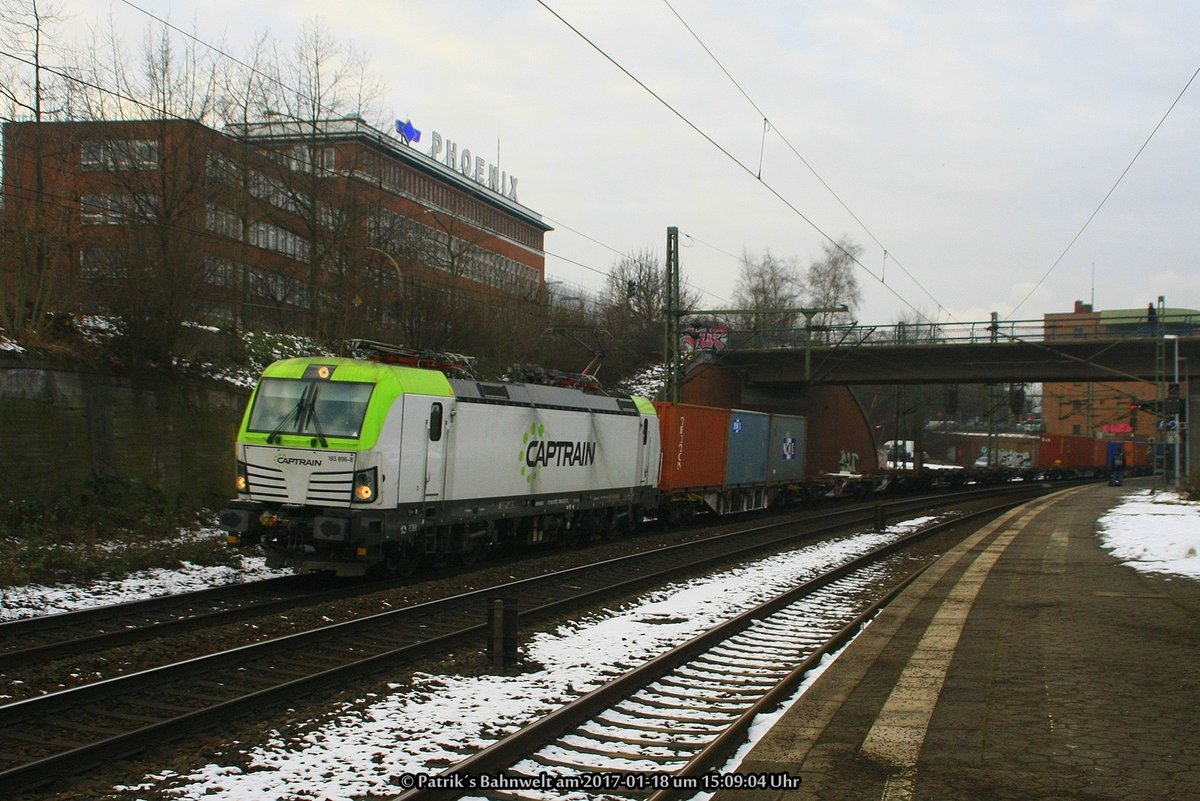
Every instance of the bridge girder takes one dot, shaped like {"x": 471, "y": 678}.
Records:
{"x": 1081, "y": 360}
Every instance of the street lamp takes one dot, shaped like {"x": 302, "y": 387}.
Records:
{"x": 1175, "y": 435}
{"x": 399, "y": 276}
{"x": 1184, "y": 424}
{"x": 391, "y": 258}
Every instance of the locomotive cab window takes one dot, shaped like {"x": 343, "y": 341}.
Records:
{"x": 299, "y": 406}
{"x": 435, "y": 422}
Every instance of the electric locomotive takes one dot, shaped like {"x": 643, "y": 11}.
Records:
{"x": 359, "y": 466}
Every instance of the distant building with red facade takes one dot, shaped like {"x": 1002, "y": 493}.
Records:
{"x": 278, "y": 222}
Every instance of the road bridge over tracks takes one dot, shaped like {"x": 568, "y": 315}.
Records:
{"x": 962, "y": 353}
{"x": 811, "y": 372}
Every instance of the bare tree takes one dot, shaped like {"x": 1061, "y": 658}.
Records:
{"x": 914, "y": 325}
{"x": 28, "y": 87}
{"x": 632, "y": 310}
{"x": 766, "y": 286}
{"x": 324, "y": 83}
{"x": 832, "y": 281}
{"x": 635, "y": 286}
{"x": 35, "y": 230}
{"x": 247, "y": 92}
{"x": 144, "y": 236}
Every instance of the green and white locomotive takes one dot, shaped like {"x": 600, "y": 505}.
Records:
{"x": 361, "y": 465}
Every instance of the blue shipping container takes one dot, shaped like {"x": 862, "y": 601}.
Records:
{"x": 788, "y": 449}
{"x": 746, "y": 455}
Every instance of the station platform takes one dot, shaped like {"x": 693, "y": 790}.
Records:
{"x": 1026, "y": 663}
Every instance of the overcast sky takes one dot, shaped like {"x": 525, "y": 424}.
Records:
{"x": 972, "y": 140}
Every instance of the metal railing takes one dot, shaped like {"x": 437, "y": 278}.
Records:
{"x": 979, "y": 332}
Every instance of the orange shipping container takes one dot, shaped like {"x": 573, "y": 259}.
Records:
{"x": 693, "y": 446}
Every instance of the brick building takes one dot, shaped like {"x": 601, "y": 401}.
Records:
{"x": 324, "y": 226}
{"x": 1109, "y": 409}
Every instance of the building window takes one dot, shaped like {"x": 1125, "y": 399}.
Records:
{"x": 305, "y": 157}
{"x": 117, "y": 209}
{"x": 111, "y": 155}
{"x": 280, "y": 290}
{"x": 220, "y": 272}
{"x": 100, "y": 263}
{"x": 279, "y": 240}
{"x": 223, "y": 221}
{"x": 1077, "y": 429}
{"x": 272, "y": 190}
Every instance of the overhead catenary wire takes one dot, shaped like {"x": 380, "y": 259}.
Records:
{"x": 769, "y": 127}
{"x": 618, "y": 252}
{"x": 1108, "y": 194}
{"x": 725, "y": 152}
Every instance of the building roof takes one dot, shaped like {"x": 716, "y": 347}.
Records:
{"x": 354, "y": 129}
{"x": 1129, "y": 316}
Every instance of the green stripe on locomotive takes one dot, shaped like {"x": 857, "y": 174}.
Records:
{"x": 644, "y": 405}
{"x": 390, "y": 383}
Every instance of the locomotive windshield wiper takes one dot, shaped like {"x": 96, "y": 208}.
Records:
{"x": 312, "y": 416}
{"x": 295, "y": 412}
{"x": 300, "y": 411}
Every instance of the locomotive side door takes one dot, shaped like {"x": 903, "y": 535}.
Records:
{"x": 437, "y": 429}
{"x": 648, "y": 451}
{"x": 643, "y": 467}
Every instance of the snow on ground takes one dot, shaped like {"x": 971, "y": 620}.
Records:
{"x": 438, "y": 720}
{"x": 1154, "y": 532}
{"x": 8, "y": 344}
{"x": 33, "y": 600}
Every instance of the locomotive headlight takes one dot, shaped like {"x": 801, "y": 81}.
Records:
{"x": 365, "y": 486}
{"x": 239, "y": 480}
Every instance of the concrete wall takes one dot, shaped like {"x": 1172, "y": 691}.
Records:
{"x": 63, "y": 424}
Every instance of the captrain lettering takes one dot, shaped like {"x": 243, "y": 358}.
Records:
{"x": 560, "y": 453}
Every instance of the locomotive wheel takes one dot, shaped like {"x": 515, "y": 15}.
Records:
{"x": 472, "y": 551}
{"x": 623, "y": 525}
{"x": 575, "y": 533}
{"x": 402, "y": 562}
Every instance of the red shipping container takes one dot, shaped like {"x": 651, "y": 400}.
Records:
{"x": 1061, "y": 450}
{"x": 693, "y": 446}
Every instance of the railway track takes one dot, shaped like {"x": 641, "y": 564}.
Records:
{"x": 34, "y": 640}
{"x": 29, "y": 645}
{"x": 46, "y": 737}
{"x": 662, "y": 729}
